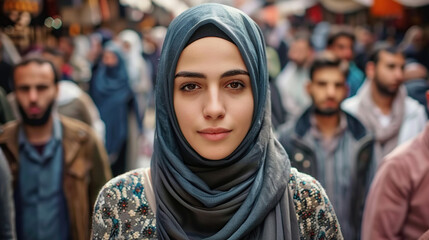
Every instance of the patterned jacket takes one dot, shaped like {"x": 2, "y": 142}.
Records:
{"x": 122, "y": 210}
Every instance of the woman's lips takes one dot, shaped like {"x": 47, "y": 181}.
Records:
{"x": 214, "y": 134}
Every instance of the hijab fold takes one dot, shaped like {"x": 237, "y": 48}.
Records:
{"x": 242, "y": 196}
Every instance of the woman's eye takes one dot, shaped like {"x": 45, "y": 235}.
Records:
{"x": 235, "y": 85}
{"x": 189, "y": 87}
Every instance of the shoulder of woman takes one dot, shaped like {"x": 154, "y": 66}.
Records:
{"x": 315, "y": 214}
{"x": 122, "y": 208}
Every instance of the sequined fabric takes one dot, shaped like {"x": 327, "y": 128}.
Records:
{"x": 122, "y": 210}
{"x": 315, "y": 214}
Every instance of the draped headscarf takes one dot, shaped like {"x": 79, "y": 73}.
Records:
{"x": 111, "y": 93}
{"x": 242, "y": 196}
{"x": 133, "y": 57}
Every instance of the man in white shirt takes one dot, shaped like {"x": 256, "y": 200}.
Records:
{"x": 382, "y": 103}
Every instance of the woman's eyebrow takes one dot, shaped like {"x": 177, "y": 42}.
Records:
{"x": 229, "y": 73}
{"x": 234, "y": 72}
{"x": 189, "y": 75}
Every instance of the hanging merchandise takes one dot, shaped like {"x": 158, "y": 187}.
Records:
{"x": 413, "y": 3}
{"x": 387, "y": 8}
{"x": 32, "y": 6}
{"x": 52, "y": 8}
{"x": 315, "y": 14}
{"x": 104, "y": 9}
{"x": 406, "y": 3}
{"x": 142, "y": 5}
{"x": 294, "y": 7}
{"x": 85, "y": 14}
{"x": 342, "y": 6}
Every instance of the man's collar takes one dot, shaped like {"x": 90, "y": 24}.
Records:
{"x": 56, "y": 130}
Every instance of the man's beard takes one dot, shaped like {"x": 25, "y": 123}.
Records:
{"x": 36, "y": 121}
{"x": 383, "y": 89}
{"x": 325, "y": 112}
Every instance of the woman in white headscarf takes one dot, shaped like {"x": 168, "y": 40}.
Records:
{"x": 141, "y": 84}
{"x": 138, "y": 72}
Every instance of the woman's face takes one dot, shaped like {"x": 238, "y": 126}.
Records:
{"x": 110, "y": 59}
{"x": 213, "y": 98}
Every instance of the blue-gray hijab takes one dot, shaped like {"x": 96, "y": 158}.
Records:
{"x": 244, "y": 195}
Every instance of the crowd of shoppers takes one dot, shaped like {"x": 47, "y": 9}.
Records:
{"x": 349, "y": 111}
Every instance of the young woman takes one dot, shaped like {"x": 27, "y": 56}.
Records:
{"x": 217, "y": 171}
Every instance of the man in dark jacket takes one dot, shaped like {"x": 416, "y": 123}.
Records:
{"x": 331, "y": 145}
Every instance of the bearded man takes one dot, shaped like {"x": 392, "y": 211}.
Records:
{"x": 58, "y": 164}
{"x": 382, "y": 104}
{"x": 331, "y": 145}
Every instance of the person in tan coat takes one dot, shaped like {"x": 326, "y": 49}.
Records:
{"x": 58, "y": 164}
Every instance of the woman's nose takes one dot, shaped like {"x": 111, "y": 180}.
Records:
{"x": 213, "y": 106}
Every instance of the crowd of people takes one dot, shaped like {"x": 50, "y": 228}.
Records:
{"x": 257, "y": 135}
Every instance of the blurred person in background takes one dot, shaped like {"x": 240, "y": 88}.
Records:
{"x": 66, "y": 46}
{"x": 72, "y": 101}
{"x": 153, "y": 41}
{"x": 98, "y": 39}
{"x": 417, "y": 82}
{"x": 6, "y": 113}
{"x": 95, "y": 51}
{"x": 138, "y": 72}
{"x": 397, "y": 204}
{"x": 139, "y": 79}
{"x": 332, "y": 145}
{"x": 382, "y": 104}
{"x": 79, "y": 61}
{"x": 112, "y": 94}
{"x": 278, "y": 112}
{"x": 7, "y": 209}
{"x": 293, "y": 78}
{"x": 58, "y": 164}
{"x": 365, "y": 40}
{"x": 413, "y": 46}
{"x": 341, "y": 42}
{"x": 5, "y": 69}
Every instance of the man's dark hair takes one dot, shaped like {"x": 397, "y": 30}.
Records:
{"x": 304, "y": 36}
{"x": 68, "y": 39}
{"x": 375, "y": 53}
{"x": 327, "y": 60}
{"x": 35, "y": 59}
{"x": 334, "y": 35}
{"x": 53, "y": 52}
